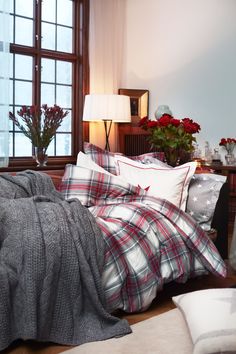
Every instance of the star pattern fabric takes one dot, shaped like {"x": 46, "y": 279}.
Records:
{"x": 204, "y": 190}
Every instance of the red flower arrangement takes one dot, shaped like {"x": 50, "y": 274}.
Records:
{"x": 229, "y": 144}
{"x": 170, "y": 135}
{"x": 39, "y": 124}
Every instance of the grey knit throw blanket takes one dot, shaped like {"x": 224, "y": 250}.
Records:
{"x": 51, "y": 259}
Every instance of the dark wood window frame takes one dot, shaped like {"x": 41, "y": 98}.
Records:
{"x": 80, "y": 84}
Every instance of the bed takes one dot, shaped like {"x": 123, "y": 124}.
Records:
{"x": 150, "y": 241}
{"x": 70, "y": 258}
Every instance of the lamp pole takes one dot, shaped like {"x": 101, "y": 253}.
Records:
{"x": 107, "y": 126}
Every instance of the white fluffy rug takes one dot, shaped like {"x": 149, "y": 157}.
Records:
{"x": 163, "y": 334}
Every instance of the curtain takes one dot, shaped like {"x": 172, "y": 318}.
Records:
{"x": 106, "y": 41}
{"x": 4, "y": 81}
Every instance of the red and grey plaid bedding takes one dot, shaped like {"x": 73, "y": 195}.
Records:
{"x": 105, "y": 158}
{"x": 148, "y": 240}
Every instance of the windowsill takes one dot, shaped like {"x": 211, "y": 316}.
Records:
{"x": 20, "y": 164}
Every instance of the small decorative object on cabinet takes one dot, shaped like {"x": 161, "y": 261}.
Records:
{"x": 40, "y": 126}
{"x": 229, "y": 145}
{"x": 216, "y": 159}
{"x": 162, "y": 109}
{"x": 229, "y": 159}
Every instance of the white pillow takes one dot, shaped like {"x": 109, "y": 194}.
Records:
{"x": 211, "y": 318}
{"x": 150, "y": 159}
{"x": 85, "y": 161}
{"x": 162, "y": 182}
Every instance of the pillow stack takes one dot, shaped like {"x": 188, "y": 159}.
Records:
{"x": 106, "y": 159}
{"x": 196, "y": 194}
{"x": 138, "y": 174}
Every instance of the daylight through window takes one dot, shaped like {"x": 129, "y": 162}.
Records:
{"x": 46, "y": 59}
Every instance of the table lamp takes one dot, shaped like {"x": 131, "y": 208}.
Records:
{"x": 107, "y": 108}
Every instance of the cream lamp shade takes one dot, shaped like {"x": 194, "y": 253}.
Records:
{"x": 107, "y": 108}
{"x": 99, "y": 107}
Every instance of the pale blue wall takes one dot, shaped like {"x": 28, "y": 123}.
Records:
{"x": 184, "y": 52}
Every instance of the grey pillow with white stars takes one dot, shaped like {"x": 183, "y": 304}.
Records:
{"x": 203, "y": 193}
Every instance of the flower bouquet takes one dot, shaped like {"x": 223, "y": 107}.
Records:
{"x": 172, "y": 136}
{"x": 39, "y": 125}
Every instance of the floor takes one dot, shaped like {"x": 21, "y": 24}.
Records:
{"x": 161, "y": 304}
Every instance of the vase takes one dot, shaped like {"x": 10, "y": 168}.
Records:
{"x": 40, "y": 156}
{"x": 163, "y": 109}
{"x": 229, "y": 159}
{"x": 185, "y": 156}
{"x": 171, "y": 157}
{"x": 176, "y": 157}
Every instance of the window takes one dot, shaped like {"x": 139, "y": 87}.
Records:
{"x": 49, "y": 65}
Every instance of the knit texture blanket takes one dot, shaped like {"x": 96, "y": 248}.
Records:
{"x": 51, "y": 260}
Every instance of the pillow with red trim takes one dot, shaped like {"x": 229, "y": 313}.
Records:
{"x": 163, "y": 182}
{"x": 106, "y": 159}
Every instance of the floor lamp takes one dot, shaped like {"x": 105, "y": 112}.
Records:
{"x": 107, "y": 108}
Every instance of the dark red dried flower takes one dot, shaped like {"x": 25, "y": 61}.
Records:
{"x": 39, "y": 124}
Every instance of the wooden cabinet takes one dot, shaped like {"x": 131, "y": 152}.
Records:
{"x": 132, "y": 140}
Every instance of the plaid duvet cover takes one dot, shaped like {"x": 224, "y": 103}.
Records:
{"x": 148, "y": 241}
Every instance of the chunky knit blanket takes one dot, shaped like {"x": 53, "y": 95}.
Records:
{"x": 51, "y": 259}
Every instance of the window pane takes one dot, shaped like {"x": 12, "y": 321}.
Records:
{"x": 24, "y": 8}
{"x": 63, "y": 144}
{"x": 64, "y": 39}
{"x": 48, "y": 70}
{"x": 48, "y": 36}
{"x": 64, "y": 12}
{"x": 23, "y": 145}
{"x": 23, "y": 67}
{"x": 51, "y": 148}
{"x": 47, "y": 94}
{"x": 64, "y": 72}
{"x": 23, "y": 93}
{"x": 11, "y": 66}
{"x": 10, "y": 122}
{"x": 10, "y": 6}
{"x": 66, "y": 124}
{"x": 63, "y": 96}
{"x": 11, "y": 92}
{"x": 24, "y": 31}
{"x": 10, "y": 144}
{"x": 49, "y": 10}
{"x": 11, "y": 30}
